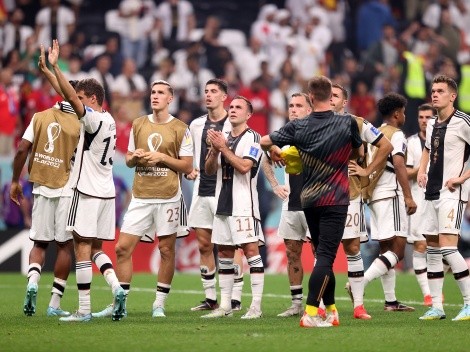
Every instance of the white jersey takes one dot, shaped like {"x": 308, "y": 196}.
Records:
{"x": 238, "y": 193}
{"x": 388, "y": 186}
{"x": 93, "y": 172}
{"x": 413, "y": 158}
{"x": 448, "y": 143}
{"x": 205, "y": 185}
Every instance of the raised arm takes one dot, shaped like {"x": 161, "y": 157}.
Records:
{"x": 69, "y": 93}
{"x": 47, "y": 73}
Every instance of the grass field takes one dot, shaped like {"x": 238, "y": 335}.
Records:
{"x": 184, "y": 330}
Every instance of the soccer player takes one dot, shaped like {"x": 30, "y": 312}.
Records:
{"x": 445, "y": 155}
{"x": 237, "y": 219}
{"x": 390, "y": 201}
{"x": 91, "y": 216}
{"x": 292, "y": 225}
{"x": 325, "y": 195}
{"x": 414, "y": 151}
{"x": 51, "y": 137}
{"x": 204, "y": 203}
{"x": 355, "y": 228}
{"x": 160, "y": 149}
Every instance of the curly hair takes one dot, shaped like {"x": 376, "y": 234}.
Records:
{"x": 391, "y": 103}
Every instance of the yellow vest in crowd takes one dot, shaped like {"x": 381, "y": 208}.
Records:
{"x": 415, "y": 83}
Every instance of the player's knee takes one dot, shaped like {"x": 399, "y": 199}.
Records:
{"x": 122, "y": 251}
{"x": 205, "y": 247}
{"x": 352, "y": 248}
{"x": 167, "y": 252}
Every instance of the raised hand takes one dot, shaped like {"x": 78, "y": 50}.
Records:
{"x": 53, "y": 56}
{"x": 42, "y": 60}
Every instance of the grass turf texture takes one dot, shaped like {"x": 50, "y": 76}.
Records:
{"x": 184, "y": 330}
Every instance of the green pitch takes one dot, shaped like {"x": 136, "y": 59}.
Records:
{"x": 184, "y": 330}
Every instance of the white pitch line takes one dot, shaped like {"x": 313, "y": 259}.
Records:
{"x": 196, "y": 292}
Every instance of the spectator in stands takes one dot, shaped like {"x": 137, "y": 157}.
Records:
{"x": 191, "y": 83}
{"x": 249, "y": 60}
{"x": 216, "y": 55}
{"x": 54, "y": 21}
{"x": 75, "y": 72}
{"x": 258, "y": 95}
{"x": 381, "y": 55}
{"x": 9, "y": 111}
{"x": 113, "y": 51}
{"x": 123, "y": 121}
{"x": 372, "y": 15}
{"x": 14, "y": 34}
{"x": 130, "y": 88}
{"x": 433, "y": 15}
{"x": 138, "y": 21}
{"x": 362, "y": 102}
{"x": 38, "y": 99}
{"x": 101, "y": 72}
{"x": 175, "y": 21}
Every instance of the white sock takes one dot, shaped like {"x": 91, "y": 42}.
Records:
{"x": 257, "y": 280}
{"x": 420, "y": 268}
{"x": 380, "y": 266}
{"x": 356, "y": 278}
{"x": 226, "y": 276}
{"x": 296, "y": 292}
{"x": 208, "y": 283}
{"x": 105, "y": 266}
{"x": 388, "y": 284}
{"x": 435, "y": 275}
{"x": 237, "y": 283}
{"x": 460, "y": 269}
{"x": 161, "y": 295}
{"x": 84, "y": 275}
{"x": 58, "y": 288}
{"x": 34, "y": 273}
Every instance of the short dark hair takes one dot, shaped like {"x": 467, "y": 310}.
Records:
{"x": 447, "y": 80}
{"x": 220, "y": 83}
{"x": 390, "y": 103}
{"x": 165, "y": 83}
{"x": 343, "y": 90}
{"x": 320, "y": 88}
{"x": 248, "y": 103}
{"x": 426, "y": 107}
{"x": 91, "y": 86}
{"x": 307, "y": 98}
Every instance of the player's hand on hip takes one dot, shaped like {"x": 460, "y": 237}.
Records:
{"x": 453, "y": 183}
{"x": 410, "y": 206}
{"x": 355, "y": 170}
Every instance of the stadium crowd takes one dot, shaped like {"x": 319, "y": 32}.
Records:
{"x": 369, "y": 47}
